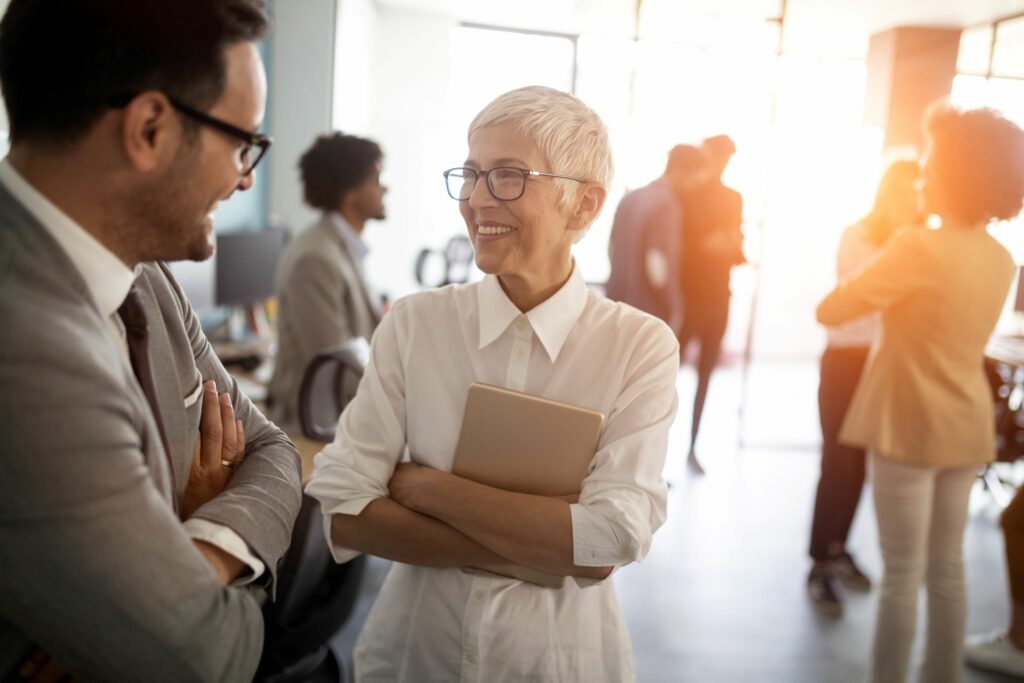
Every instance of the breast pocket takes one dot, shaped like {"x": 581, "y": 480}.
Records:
{"x": 193, "y": 404}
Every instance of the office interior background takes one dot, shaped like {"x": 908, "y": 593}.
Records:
{"x": 806, "y": 88}
{"x": 815, "y": 95}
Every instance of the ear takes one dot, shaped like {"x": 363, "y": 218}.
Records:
{"x": 588, "y": 204}
{"x": 150, "y": 131}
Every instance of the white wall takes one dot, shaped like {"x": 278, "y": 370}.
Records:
{"x": 302, "y": 76}
{"x": 409, "y": 85}
{"x": 353, "y": 55}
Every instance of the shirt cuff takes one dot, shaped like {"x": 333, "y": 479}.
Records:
{"x": 230, "y": 542}
{"x": 340, "y": 554}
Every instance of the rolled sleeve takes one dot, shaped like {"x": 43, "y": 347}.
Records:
{"x": 231, "y": 543}
{"x": 355, "y": 469}
{"x": 624, "y": 498}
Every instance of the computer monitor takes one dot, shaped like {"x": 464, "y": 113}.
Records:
{"x": 246, "y": 261}
{"x": 197, "y": 281}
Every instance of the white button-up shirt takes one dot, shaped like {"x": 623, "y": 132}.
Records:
{"x": 431, "y": 624}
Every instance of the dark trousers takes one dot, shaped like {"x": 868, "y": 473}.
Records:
{"x": 704, "y": 320}
{"x": 842, "y": 467}
{"x": 1013, "y": 534}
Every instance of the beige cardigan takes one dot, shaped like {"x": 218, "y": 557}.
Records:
{"x": 924, "y": 398}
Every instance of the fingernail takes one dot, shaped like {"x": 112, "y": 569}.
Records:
{"x": 210, "y": 385}
{"x": 238, "y": 425}
{"x": 225, "y": 399}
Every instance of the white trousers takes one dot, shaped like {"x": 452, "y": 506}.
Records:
{"x": 921, "y": 515}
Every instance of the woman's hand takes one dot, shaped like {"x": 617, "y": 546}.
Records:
{"x": 411, "y": 483}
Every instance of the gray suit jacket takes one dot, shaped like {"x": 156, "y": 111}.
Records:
{"x": 322, "y": 303}
{"x": 96, "y": 566}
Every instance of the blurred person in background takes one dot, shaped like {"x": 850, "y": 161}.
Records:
{"x": 645, "y": 240}
{"x": 323, "y": 296}
{"x": 712, "y": 244}
{"x": 843, "y": 467}
{"x": 1002, "y": 650}
{"x": 924, "y": 408}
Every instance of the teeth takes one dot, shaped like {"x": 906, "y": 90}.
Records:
{"x": 493, "y": 229}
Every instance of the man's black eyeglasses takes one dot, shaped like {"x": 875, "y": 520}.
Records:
{"x": 248, "y": 158}
{"x": 505, "y": 183}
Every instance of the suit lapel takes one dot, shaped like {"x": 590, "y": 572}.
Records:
{"x": 169, "y": 395}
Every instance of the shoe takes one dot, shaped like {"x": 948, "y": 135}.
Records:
{"x": 846, "y": 570}
{"x": 693, "y": 463}
{"x": 994, "y": 652}
{"x": 824, "y": 592}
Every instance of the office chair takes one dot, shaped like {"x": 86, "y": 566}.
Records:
{"x": 455, "y": 261}
{"x": 315, "y": 596}
{"x": 328, "y": 384}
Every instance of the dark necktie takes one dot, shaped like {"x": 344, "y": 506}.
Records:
{"x": 133, "y": 315}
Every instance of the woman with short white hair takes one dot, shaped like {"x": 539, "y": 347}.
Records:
{"x": 536, "y": 177}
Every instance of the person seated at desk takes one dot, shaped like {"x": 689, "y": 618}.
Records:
{"x": 122, "y": 469}
{"x": 536, "y": 177}
{"x": 323, "y": 297}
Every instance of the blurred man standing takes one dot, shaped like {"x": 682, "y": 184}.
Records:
{"x": 644, "y": 248}
{"x": 712, "y": 244}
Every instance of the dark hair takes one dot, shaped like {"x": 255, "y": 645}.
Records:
{"x": 720, "y": 146}
{"x": 977, "y": 163}
{"x": 684, "y": 159}
{"x": 62, "y": 62}
{"x": 333, "y": 165}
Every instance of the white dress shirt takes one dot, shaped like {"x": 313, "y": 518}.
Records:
{"x": 432, "y": 624}
{"x": 108, "y": 280}
{"x": 855, "y": 252}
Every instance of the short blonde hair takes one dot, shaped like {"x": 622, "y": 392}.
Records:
{"x": 569, "y": 134}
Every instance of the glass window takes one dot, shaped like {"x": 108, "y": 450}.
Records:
{"x": 1008, "y": 58}
{"x": 975, "y": 46}
{"x": 487, "y": 62}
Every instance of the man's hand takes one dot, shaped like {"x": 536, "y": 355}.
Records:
{"x": 39, "y": 668}
{"x": 220, "y": 448}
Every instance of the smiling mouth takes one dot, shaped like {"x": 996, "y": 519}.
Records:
{"x": 494, "y": 229}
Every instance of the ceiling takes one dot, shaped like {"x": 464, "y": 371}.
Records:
{"x": 838, "y": 28}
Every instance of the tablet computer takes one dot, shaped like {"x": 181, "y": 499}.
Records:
{"x": 528, "y": 444}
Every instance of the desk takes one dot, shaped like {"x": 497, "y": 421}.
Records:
{"x": 1006, "y": 349}
{"x": 254, "y": 385}
{"x": 1004, "y": 365}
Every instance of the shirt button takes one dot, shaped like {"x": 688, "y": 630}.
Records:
{"x": 478, "y": 595}
{"x": 521, "y": 326}
{"x": 519, "y": 353}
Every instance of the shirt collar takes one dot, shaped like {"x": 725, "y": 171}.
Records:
{"x": 551, "y": 321}
{"x": 106, "y": 277}
{"x": 356, "y": 246}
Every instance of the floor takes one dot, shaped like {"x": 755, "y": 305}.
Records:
{"x": 721, "y": 596}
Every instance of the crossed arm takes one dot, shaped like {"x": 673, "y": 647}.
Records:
{"x": 435, "y": 518}
{"x": 419, "y": 515}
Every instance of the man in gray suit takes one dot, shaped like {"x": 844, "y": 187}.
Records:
{"x": 135, "y": 501}
{"x": 323, "y": 296}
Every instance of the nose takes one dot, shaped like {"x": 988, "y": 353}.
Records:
{"x": 246, "y": 182}
{"x": 481, "y": 196}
